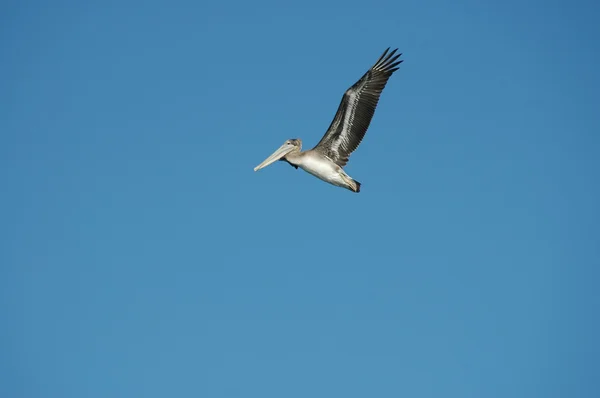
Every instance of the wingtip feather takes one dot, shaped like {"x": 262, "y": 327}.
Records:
{"x": 388, "y": 61}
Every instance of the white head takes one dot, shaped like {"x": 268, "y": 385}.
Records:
{"x": 289, "y": 146}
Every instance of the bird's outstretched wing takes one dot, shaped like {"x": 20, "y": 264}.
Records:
{"x": 356, "y": 110}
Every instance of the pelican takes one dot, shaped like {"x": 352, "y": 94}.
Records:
{"x": 327, "y": 159}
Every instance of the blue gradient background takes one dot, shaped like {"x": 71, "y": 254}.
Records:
{"x": 142, "y": 257}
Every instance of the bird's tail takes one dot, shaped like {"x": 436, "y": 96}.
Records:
{"x": 350, "y": 183}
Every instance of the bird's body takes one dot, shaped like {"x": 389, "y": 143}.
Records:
{"x": 323, "y": 168}
{"x": 327, "y": 159}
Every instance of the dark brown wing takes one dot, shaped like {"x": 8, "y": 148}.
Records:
{"x": 356, "y": 110}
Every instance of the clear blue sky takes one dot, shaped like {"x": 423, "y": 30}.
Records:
{"x": 141, "y": 256}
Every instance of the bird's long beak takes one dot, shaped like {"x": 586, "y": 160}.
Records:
{"x": 278, "y": 154}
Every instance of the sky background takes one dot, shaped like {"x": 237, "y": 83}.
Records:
{"x": 141, "y": 256}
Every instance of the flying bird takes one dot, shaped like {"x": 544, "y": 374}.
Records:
{"x": 327, "y": 159}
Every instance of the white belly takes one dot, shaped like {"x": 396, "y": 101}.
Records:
{"x": 323, "y": 169}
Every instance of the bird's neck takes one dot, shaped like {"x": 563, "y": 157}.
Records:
{"x": 294, "y": 158}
